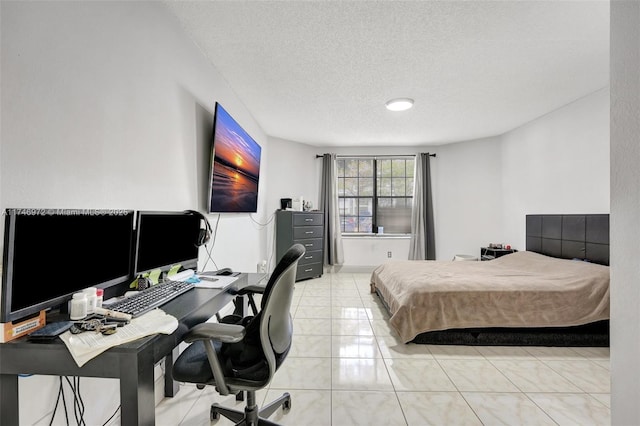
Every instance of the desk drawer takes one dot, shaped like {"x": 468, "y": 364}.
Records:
{"x": 308, "y": 271}
{"x": 310, "y": 245}
{"x": 311, "y": 257}
{"x": 307, "y": 232}
{"x": 307, "y": 219}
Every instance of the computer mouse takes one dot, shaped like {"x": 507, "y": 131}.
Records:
{"x": 224, "y": 271}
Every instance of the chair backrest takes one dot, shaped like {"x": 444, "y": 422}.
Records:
{"x": 276, "y": 325}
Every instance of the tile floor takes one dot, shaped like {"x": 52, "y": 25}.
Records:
{"x": 347, "y": 367}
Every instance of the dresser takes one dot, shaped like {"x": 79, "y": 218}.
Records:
{"x": 306, "y": 228}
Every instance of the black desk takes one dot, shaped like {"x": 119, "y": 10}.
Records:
{"x": 133, "y": 363}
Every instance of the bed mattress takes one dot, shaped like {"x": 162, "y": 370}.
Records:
{"x": 523, "y": 289}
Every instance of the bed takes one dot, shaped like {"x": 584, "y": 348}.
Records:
{"x": 556, "y": 293}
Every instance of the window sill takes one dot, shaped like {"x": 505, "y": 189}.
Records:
{"x": 356, "y": 236}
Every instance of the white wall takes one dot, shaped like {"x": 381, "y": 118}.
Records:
{"x": 363, "y": 254}
{"x": 110, "y": 105}
{"x": 467, "y": 197}
{"x": 558, "y": 163}
{"x": 625, "y": 211}
{"x": 293, "y": 171}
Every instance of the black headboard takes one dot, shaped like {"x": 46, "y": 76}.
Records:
{"x": 568, "y": 236}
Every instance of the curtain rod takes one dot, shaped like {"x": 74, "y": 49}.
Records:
{"x": 370, "y": 156}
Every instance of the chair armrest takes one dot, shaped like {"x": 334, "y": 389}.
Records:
{"x": 250, "y": 289}
{"x": 258, "y": 289}
{"x": 225, "y": 333}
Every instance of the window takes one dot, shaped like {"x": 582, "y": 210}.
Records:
{"x": 375, "y": 192}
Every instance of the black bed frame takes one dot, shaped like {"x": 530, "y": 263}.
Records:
{"x": 569, "y": 236}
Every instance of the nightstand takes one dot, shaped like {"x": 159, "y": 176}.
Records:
{"x": 487, "y": 253}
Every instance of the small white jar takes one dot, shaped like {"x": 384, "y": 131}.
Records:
{"x": 91, "y": 299}
{"x": 78, "y": 306}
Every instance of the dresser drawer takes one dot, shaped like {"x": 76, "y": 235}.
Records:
{"x": 311, "y": 257}
{"x": 308, "y": 271}
{"x": 307, "y": 219}
{"x": 307, "y": 232}
{"x": 310, "y": 245}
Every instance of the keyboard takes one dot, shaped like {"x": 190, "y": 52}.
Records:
{"x": 151, "y": 298}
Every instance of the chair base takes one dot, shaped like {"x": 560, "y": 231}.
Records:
{"x": 252, "y": 416}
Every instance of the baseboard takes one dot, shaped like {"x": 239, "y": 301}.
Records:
{"x": 351, "y": 269}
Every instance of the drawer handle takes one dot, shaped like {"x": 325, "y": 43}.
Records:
{"x": 308, "y": 257}
{"x": 308, "y": 270}
{"x": 309, "y": 232}
{"x": 309, "y": 245}
{"x": 308, "y": 220}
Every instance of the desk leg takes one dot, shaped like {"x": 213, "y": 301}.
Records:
{"x": 137, "y": 397}
{"x": 9, "y": 407}
{"x": 171, "y": 387}
{"x": 241, "y": 306}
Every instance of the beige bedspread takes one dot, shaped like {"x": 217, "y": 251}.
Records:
{"x": 523, "y": 289}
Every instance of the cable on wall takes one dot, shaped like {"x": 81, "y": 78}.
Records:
{"x": 78, "y": 403}
{"x": 208, "y": 248}
{"x": 262, "y": 224}
{"x": 112, "y": 416}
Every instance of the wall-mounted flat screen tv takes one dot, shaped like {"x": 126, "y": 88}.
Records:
{"x": 235, "y": 167}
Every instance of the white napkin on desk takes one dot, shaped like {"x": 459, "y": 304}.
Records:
{"x": 89, "y": 344}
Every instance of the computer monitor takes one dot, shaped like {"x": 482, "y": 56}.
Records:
{"x": 165, "y": 239}
{"x": 49, "y": 254}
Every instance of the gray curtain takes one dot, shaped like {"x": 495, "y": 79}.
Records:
{"x": 423, "y": 244}
{"x": 333, "y": 254}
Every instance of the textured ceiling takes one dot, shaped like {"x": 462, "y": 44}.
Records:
{"x": 319, "y": 72}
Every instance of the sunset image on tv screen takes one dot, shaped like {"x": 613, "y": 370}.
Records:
{"x": 235, "y": 167}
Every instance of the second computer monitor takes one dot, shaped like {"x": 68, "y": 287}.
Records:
{"x": 165, "y": 239}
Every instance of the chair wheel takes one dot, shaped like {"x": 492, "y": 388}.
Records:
{"x": 286, "y": 405}
{"x": 214, "y": 415}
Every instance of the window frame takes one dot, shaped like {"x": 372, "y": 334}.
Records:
{"x": 375, "y": 196}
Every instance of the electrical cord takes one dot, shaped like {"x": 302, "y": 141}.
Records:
{"x": 55, "y": 408}
{"x": 262, "y": 224}
{"x": 112, "y": 416}
{"x": 208, "y": 248}
{"x": 78, "y": 403}
{"x": 273, "y": 250}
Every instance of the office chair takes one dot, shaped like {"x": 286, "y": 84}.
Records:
{"x": 248, "y": 291}
{"x": 244, "y": 357}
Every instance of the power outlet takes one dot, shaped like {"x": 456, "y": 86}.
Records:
{"x": 389, "y": 254}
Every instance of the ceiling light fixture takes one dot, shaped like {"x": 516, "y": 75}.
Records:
{"x": 399, "y": 104}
